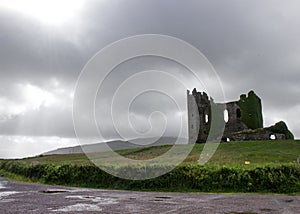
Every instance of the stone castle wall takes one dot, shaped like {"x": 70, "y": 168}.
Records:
{"x": 244, "y": 119}
{"x": 193, "y": 118}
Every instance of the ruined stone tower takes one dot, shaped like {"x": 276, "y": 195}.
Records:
{"x": 198, "y": 116}
{"x": 243, "y": 119}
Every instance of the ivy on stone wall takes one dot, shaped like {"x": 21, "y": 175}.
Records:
{"x": 282, "y": 128}
{"x": 251, "y": 109}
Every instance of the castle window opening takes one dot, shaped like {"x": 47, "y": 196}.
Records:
{"x": 238, "y": 113}
{"x": 206, "y": 118}
{"x": 272, "y": 137}
{"x": 226, "y": 117}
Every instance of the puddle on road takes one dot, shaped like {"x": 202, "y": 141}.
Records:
{"x": 5, "y": 194}
{"x": 196, "y": 200}
{"x": 241, "y": 212}
{"x": 163, "y": 197}
{"x": 267, "y": 210}
{"x": 79, "y": 208}
{"x": 51, "y": 191}
{"x": 3, "y": 184}
{"x": 95, "y": 199}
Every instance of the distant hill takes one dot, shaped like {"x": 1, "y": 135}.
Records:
{"x": 116, "y": 145}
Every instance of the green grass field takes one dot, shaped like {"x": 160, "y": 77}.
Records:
{"x": 232, "y": 153}
{"x": 273, "y": 168}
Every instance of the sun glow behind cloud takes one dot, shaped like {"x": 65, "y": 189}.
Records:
{"x": 52, "y": 12}
{"x": 31, "y": 97}
{"x": 36, "y": 97}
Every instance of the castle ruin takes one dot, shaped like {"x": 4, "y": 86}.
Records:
{"x": 243, "y": 119}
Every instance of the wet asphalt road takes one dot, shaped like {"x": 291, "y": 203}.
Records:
{"x": 18, "y": 197}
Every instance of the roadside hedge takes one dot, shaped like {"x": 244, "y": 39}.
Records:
{"x": 274, "y": 178}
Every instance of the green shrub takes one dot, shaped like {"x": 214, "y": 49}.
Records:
{"x": 251, "y": 110}
{"x": 189, "y": 177}
{"x": 282, "y": 128}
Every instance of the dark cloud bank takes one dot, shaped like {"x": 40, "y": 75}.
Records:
{"x": 252, "y": 45}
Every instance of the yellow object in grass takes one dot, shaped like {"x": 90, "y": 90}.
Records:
{"x": 247, "y": 162}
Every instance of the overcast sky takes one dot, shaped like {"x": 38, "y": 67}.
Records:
{"x": 253, "y": 45}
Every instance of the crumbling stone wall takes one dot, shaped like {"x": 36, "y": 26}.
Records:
{"x": 199, "y": 111}
{"x": 257, "y": 134}
{"x": 234, "y": 123}
{"x": 245, "y": 119}
{"x": 193, "y": 118}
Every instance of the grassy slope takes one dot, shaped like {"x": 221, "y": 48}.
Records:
{"x": 270, "y": 170}
{"x": 233, "y": 153}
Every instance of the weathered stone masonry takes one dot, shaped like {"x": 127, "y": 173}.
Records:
{"x": 244, "y": 119}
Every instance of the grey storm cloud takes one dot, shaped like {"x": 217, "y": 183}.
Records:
{"x": 253, "y": 45}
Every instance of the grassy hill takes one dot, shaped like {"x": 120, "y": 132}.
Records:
{"x": 273, "y": 168}
{"x": 232, "y": 153}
